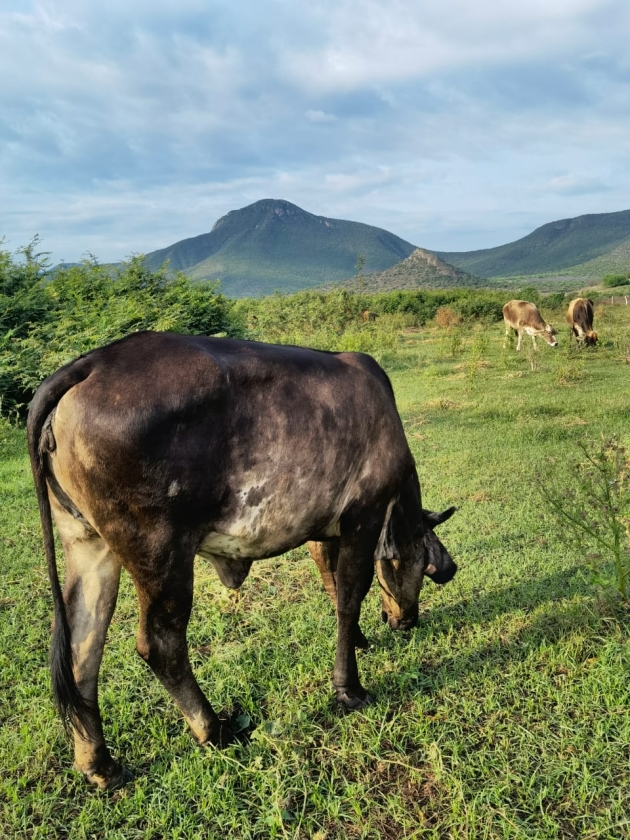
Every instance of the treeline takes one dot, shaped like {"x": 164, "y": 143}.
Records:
{"x": 49, "y": 316}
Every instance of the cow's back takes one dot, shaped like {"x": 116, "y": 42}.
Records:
{"x": 518, "y": 313}
{"x": 580, "y": 311}
{"x": 213, "y": 432}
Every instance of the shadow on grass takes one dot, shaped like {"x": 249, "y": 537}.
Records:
{"x": 565, "y": 615}
{"x": 524, "y": 596}
{"x": 436, "y": 667}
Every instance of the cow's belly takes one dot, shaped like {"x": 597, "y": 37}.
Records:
{"x": 271, "y": 513}
{"x": 267, "y": 530}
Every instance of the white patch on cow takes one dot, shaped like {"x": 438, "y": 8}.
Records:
{"x": 227, "y": 545}
{"x": 333, "y": 530}
{"x": 173, "y": 488}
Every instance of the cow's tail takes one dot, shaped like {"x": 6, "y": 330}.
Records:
{"x": 70, "y": 703}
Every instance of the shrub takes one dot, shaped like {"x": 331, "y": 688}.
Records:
{"x": 615, "y": 280}
{"x": 595, "y": 505}
{"x": 529, "y": 293}
{"x": 51, "y": 316}
{"x": 446, "y": 317}
{"x": 555, "y": 300}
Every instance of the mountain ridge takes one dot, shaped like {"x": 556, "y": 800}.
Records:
{"x": 565, "y": 245}
{"x": 273, "y": 244}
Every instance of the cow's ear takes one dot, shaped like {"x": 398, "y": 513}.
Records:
{"x": 435, "y": 519}
{"x": 386, "y": 548}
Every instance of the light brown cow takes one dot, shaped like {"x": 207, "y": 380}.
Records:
{"x": 524, "y": 317}
{"x": 580, "y": 320}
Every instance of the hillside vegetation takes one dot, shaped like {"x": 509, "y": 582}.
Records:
{"x": 420, "y": 270}
{"x": 616, "y": 261}
{"x": 591, "y": 245}
{"x": 274, "y": 245}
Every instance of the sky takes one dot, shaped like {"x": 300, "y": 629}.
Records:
{"x": 127, "y": 126}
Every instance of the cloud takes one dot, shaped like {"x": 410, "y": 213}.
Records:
{"x": 319, "y": 116}
{"x": 128, "y": 126}
{"x": 370, "y": 41}
{"x": 577, "y": 185}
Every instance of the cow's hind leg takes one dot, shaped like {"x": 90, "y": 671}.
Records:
{"x": 90, "y": 592}
{"x": 326, "y": 555}
{"x": 165, "y": 605}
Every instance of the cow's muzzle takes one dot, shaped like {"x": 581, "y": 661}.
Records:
{"x": 407, "y": 622}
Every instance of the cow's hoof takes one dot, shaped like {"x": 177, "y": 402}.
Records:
{"x": 359, "y": 640}
{"x": 113, "y": 777}
{"x": 222, "y": 739}
{"x": 352, "y": 701}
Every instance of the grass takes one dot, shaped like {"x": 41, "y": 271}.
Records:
{"x": 505, "y": 714}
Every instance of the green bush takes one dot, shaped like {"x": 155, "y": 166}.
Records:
{"x": 615, "y": 280}
{"x": 529, "y": 293}
{"x": 48, "y": 317}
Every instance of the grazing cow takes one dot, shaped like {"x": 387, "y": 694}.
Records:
{"x": 580, "y": 320}
{"x": 160, "y": 447}
{"x": 524, "y": 317}
{"x": 367, "y": 316}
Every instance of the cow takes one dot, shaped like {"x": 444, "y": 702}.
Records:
{"x": 159, "y": 447}
{"x": 524, "y": 317}
{"x": 580, "y": 320}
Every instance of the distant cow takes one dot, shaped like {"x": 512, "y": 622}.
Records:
{"x": 580, "y": 320}
{"x": 367, "y": 316}
{"x": 160, "y": 447}
{"x": 524, "y": 317}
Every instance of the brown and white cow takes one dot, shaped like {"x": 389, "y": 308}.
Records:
{"x": 160, "y": 447}
{"x": 524, "y": 317}
{"x": 580, "y": 320}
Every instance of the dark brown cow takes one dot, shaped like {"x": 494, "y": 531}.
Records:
{"x": 524, "y": 317}
{"x": 580, "y": 320}
{"x": 161, "y": 447}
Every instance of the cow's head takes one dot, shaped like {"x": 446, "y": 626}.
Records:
{"x": 406, "y": 553}
{"x": 549, "y": 335}
{"x": 591, "y": 338}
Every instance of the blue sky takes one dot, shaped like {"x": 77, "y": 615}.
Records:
{"x": 126, "y": 126}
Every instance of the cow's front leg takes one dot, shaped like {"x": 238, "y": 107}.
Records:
{"x": 520, "y": 337}
{"x": 355, "y": 570}
{"x": 165, "y": 605}
{"x": 326, "y": 556}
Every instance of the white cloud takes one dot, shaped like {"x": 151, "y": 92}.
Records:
{"x": 126, "y": 126}
{"x": 577, "y": 185}
{"x": 370, "y": 41}
{"x": 319, "y": 116}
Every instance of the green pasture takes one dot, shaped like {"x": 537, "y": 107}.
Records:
{"x": 505, "y": 714}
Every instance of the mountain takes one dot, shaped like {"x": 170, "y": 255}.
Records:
{"x": 588, "y": 245}
{"x": 273, "y": 244}
{"x": 420, "y": 270}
